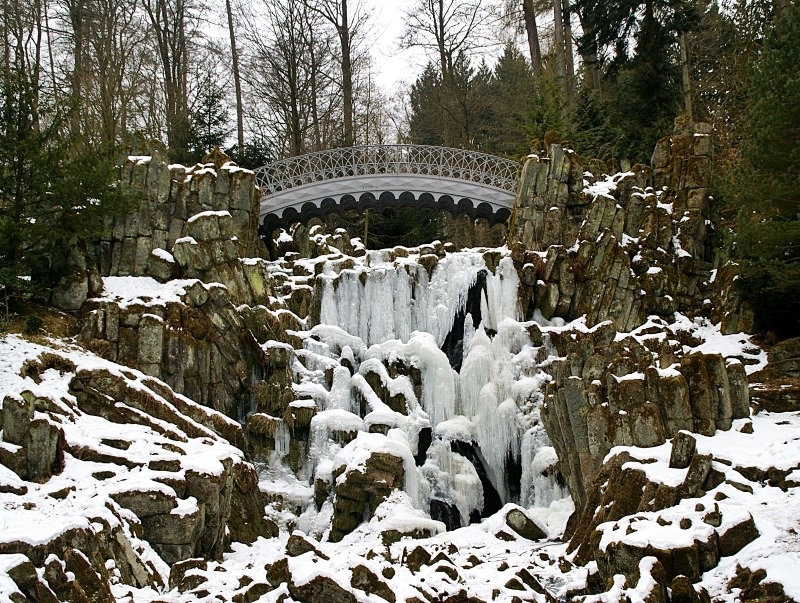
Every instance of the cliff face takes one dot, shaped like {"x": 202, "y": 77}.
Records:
{"x": 191, "y": 227}
{"x": 165, "y": 197}
{"x": 626, "y": 252}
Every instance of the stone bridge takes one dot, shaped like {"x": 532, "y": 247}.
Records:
{"x": 383, "y": 176}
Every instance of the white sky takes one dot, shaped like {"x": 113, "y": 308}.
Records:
{"x": 392, "y": 65}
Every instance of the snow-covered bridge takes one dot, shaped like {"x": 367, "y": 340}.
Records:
{"x": 378, "y": 176}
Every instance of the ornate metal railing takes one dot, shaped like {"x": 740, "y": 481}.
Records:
{"x": 401, "y": 159}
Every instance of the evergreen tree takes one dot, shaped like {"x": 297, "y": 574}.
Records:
{"x": 426, "y": 125}
{"x": 484, "y": 136}
{"x": 512, "y": 104}
{"x": 211, "y": 124}
{"x": 645, "y": 97}
{"x": 54, "y": 186}
{"x": 642, "y": 90}
{"x": 595, "y": 131}
{"x": 766, "y": 184}
{"x": 471, "y": 103}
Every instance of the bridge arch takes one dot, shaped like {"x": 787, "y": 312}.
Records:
{"x": 318, "y": 184}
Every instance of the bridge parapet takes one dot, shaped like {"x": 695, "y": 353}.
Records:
{"x": 401, "y": 159}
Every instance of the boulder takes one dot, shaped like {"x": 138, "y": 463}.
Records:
{"x": 365, "y": 579}
{"x": 144, "y": 503}
{"x": 37, "y": 444}
{"x": 298, "y": 545}
{"x": 321, "y": 588}
{"x": 683, "y": 448}
{"x": 186, "y": 575}
{"x": 358, "y": 493}
{"x": 518, "y": 520}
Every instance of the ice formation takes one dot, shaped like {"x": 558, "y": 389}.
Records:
{"x": 375, "y": 370}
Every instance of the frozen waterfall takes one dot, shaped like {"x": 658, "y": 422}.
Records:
{"x": 374, "y": 363}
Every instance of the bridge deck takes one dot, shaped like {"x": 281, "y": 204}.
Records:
{"x": 455, "y": 173}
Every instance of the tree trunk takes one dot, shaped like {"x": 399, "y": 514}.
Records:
{"x": 237, "y": 83}
{"x": 529, "y": 15}
{"x": 686, "y": 82}
{"x": 448, "y": 79}
{"x": 590, "y": 60}
{"x": 76, "y": 18}
{"x": 4, "y": 31}
{"x": 347, "y": 77}
{"x": 169, "y": 27}
{"x": 314, "y": 99}
{"x": 559, "y": 49}
{"x": 50, "y": 54}
{"x": 36, "y": 68}
{"x": 570, "y": 61}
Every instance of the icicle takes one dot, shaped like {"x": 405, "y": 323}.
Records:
{"x": 282, "y": 439}
{"x": 453, "y": 479}
{"x": 539, "y": 485}
{"x": 438, "y": 379}
{"x": 329, "y": 307}
{"x": 339, "y": 396}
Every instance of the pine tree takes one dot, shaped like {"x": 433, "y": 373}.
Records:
{"x": 766, "y": 184}
{"x": 426, "y": 123}
{"x": 54, "y": 186}
{"x": 642, "y": 90}
{"x": 211, "y": 124}
{"x": 512, "y": 104}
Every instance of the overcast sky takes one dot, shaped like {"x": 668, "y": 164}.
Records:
{"x": 392, "y": 65}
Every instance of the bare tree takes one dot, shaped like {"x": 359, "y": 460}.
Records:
{"x": 23, "y": 38}
{"x": 569, "y": 53}
{"x": 174, "y": 25}
{"x": 293, "y": 99}
{"x": 116, "y": 36}
{"x": 447, "y": 29}
{"x": 348, "y": 20}
{"x": 76, "y": 11}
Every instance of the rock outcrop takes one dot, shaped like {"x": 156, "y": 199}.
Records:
{"x": 629, "y": 508}
{"x": 777, "y": 387}
{"x": 609, "y": 390}
{"x": 195, "y": 341}
{"x": 167, "y": 197}
{"x": 32, "y": 446}
{"x": 620, "y": 247}
{"x": 358, "y": 492}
